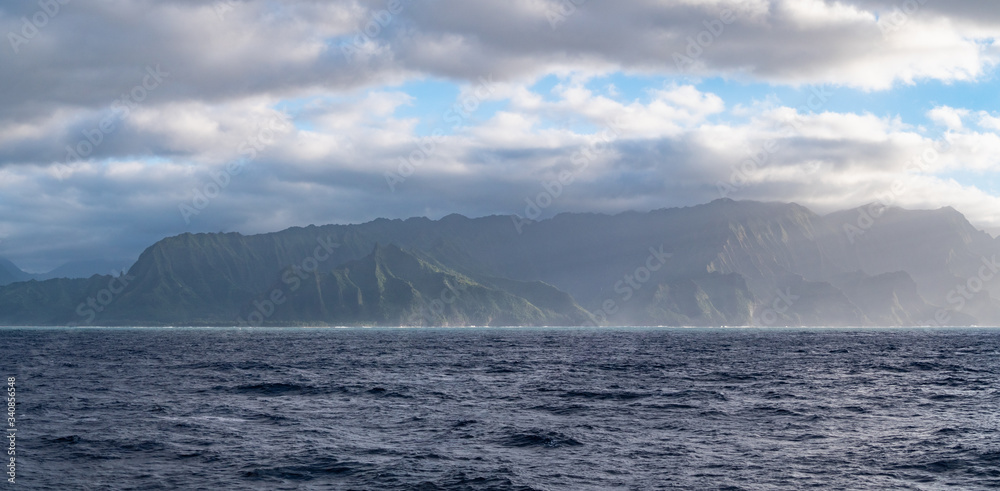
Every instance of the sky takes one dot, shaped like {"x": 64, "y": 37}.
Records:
{"x": 126, "y": 121}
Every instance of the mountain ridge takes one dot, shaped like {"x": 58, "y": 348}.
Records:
{"x": 720, "y": 263}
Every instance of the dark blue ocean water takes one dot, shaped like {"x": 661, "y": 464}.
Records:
{"x": 471, "y": 409}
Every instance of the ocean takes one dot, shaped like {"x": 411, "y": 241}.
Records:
{"x": 504, "y": 409}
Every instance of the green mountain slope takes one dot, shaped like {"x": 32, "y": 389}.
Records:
{"x": 55, "y": 302}
{"x": 721, "y": 263}
{"x": 393, "y": 287}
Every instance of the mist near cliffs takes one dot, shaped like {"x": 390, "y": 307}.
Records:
{"x": 725, "y": 263}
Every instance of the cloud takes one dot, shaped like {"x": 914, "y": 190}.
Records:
{"x": 988, "y": 121}
{"x": 781, "y": 41}
{"x": 300, "y": 46}
{"x": 948, "y": 117}
{"x": 659, "y": 153}
{"x": 311, "y": 99}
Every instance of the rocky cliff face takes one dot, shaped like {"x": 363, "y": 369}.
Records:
{"x": 722, "y": 263}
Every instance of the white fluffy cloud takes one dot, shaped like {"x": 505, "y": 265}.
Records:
{"x": 948, "y": 117}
